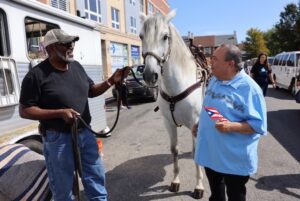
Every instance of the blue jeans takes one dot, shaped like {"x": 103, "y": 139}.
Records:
{"x": 58, "y": 153}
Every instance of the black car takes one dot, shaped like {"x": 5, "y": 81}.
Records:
{"x": 134, "y": 89}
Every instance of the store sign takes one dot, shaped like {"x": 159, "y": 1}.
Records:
{"x": 117, "y": 49}
{"x": 119, "y": 55}
{"x": 135, "y": 51}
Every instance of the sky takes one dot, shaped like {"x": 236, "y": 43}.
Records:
{"x": 218, "y": 17}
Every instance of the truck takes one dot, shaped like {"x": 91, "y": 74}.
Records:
{"x": 23, "y": 25}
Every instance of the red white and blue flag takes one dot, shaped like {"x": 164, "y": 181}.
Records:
{"x": 214, "y": 114}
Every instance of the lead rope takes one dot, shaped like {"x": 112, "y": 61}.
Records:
{"x": 77, "y": 159}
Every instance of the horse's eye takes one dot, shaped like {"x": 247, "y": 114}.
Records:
{"x": 166, "y": 37}
{"x": 141, "y": 37}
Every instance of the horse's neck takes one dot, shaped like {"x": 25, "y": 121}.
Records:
{"x": 180, "y": 70}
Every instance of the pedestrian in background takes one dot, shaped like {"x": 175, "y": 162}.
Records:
{"x": 230, "y": 126}
{"x": 124, "y": 96}
{"x": 55, "y": 92}
{"x": 261, "y": 72}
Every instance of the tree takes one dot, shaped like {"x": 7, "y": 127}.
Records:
{"x": 255, "y": 43}
{"x": 287, "y": 30}
{"x": 272, "y": 41}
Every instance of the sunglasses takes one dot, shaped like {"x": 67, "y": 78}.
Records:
{"x": 67, "y": 45}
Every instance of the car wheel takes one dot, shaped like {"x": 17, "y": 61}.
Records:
{"x": 292, "y": 87}
{"x": 274, "y": 78}
{"x": 34, "y": 145}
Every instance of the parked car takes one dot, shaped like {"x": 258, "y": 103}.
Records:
{"x": 270, "y": 60}
{"x": 286, "y": 68}
{"x": 135, "y": 90}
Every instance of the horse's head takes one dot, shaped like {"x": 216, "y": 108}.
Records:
{"x": 156, "y": 40}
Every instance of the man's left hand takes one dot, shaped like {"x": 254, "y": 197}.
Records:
{"x": 223, "y": 126}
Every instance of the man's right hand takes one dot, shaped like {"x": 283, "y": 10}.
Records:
{"x": 68, "y": 115}
{"x": 119, "y": 73}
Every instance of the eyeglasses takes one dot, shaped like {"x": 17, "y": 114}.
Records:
{"x": 67, "y": 45}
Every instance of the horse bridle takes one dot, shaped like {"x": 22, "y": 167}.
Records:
{"x": 160, "y": 59}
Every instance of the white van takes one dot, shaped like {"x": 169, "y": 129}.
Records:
{"x": 286, "y": 69}
{"x": 23, "y": 25}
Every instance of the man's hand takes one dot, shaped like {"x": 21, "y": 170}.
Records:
{"x": 68, "y": 115}
{"x": 223, "y": 126}
{"x": 238, "y": 127}
{"x": 117, "y": 76}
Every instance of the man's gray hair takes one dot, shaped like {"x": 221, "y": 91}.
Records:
{"x": 233, "y": 53}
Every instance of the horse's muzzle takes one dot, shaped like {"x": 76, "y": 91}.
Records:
{"x": 150, "y": 79}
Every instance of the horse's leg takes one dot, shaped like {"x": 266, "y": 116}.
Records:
{"x": 172, "y": 130}
{"x": 199, "y": 189}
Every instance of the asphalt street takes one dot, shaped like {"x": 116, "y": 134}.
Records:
{"x": 139, "y": 165}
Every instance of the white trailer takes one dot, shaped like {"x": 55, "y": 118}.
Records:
{"x": 23, "y": 24}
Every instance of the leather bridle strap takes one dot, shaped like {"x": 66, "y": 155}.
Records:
{"x": 174, "y": 99}
{"x": 160, "y": 60}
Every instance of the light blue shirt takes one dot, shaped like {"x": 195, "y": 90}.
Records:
{"x": 238, "y": 100}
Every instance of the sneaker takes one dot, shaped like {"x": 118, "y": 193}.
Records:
{"x": 123, "y": 107}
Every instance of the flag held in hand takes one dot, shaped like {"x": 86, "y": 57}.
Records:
{"x": 214, "y": 114}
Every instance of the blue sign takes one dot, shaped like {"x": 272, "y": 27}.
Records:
{"x": 135, "y": 51}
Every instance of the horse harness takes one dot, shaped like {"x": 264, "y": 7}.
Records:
{"x": 204, "y": 72}
{"x": 174, "y": 99}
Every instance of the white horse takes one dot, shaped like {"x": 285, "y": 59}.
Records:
{"x": 169, "y": 64}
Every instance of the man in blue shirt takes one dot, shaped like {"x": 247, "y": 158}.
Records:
{"x": 230, "y": 125}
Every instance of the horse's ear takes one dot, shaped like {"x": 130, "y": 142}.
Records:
{"x": 143, "y": 17}
{"x": 170, "y": 15}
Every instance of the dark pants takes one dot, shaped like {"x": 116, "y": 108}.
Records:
{"x": 124, "y": 95}
{"x": 235, "y": 186}
{"x": 264, "y": 88}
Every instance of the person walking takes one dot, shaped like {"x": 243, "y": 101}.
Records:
{"x": 54, "y": 93}
{"x": 261, "y": 72}
{"x": 124, "y": 96}
{"x": 230, "y": 125}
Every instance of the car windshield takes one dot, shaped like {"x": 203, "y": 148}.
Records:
{"x": 138, "y": 70}
{"x": 270, "y": 60}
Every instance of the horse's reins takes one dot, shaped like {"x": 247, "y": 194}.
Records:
{"x": 74, "y": 131}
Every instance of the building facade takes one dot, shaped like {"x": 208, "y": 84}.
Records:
{"x": 208, "y": 44}
{"x": 119, "y": 23}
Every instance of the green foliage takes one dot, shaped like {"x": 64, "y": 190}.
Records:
{"x": 255, "y": 43}
{"x": 286, "y": 28}
{"x": 272, "y": 41}
{"x": 283, "y": 36}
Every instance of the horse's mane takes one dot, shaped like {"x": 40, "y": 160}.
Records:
{"x": 180, "y": 51}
